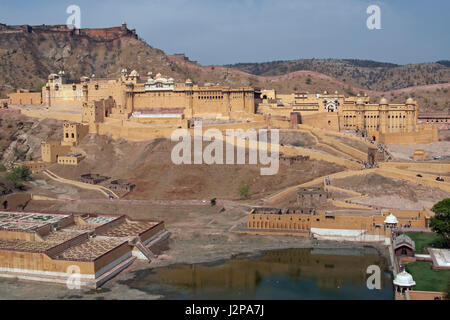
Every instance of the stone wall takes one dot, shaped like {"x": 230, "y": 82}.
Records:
{"x": 425, "y": 134}
{"x": 25, "y": 98}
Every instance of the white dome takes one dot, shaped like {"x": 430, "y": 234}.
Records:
{"x": 134, "y": 73}
{"x": 391, "y": 219}
{"x": 404, "y": 279}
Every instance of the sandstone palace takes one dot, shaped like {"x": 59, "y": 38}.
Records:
{"x": 164, "y": 102}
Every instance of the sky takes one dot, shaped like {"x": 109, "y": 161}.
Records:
{"x": 233, "y": 31}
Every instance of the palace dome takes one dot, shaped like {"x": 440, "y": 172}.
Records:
{"x": 359, "y": 101}
{"x": 410, "y": 101}
{"x": 383, "y": 101}
{"x": 404, "y": 279}
{"x": 391, "y": 219}
{"x": 134, "y": 73}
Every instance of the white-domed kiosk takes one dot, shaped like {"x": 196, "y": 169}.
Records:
{"x": 403, "y": 281}
{"x": 391, "y": 221}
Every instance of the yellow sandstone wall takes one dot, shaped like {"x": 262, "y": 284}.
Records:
{"x": 329, "y": 121}
{"x": 425, "y": 134}
{"x": 25, "y": 98}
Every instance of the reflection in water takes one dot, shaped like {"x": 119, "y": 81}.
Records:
{"x": 281, "y": 274}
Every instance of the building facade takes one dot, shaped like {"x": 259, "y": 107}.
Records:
{"x": 156, "y": 95}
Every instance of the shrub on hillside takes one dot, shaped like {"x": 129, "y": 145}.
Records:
{"x": 18, "y": 174}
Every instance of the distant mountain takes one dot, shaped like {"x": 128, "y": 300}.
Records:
{"x": 28, "y": 54}
{"x": 367, "y": 74}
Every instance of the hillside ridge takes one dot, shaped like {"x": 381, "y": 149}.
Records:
{"x": 28, "y": 54}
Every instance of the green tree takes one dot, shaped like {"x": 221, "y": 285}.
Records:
{"x": 244, "y": 191}
{"x": 18, "y": 174}
{"x": 39, "y": 86}
{"x": 442, "y": 206}
{"x": 2, "y": 168}
{"x": 213, "y": 202}
{"x": 440, "y": 223}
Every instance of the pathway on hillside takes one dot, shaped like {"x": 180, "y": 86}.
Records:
{"x": 107, "y": 192}
{"x": 426, "y": 179}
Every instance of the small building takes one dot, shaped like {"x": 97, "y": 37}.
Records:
{"x": 71, "y": 159}
{"x": 35, "y": 166}
{"x": 419, "y": 154}
{"x": 403, "y": 282}
{"x": 121, "y": 186}
{"x": 311, "y": 197}
{"x": 52, "y": 150}
{"x": 93, "y": 178}
{"x": 289, "y": 161}
{"x": 73, "y": 133}
{"x": 404, "y": 246}
{"x": 391, "y": 221}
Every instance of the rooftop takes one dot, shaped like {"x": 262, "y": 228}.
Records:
{"x": 402, "y": 240}
{"x": 89, "y": 250}
{"x": 128, "y": 229}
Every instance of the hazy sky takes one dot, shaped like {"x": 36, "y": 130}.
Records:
{"x": 231, "y": 31}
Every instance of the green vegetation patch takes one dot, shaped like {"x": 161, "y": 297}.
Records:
{"x": 426, "y": 240}
{"x": 18, "y": 174}
{"x": 428, "y": 279}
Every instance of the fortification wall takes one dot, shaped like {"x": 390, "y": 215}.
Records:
{"x": 274, "y": 110}
{"x": 328, "y": 121}
{"x": 425, "y": 134}
{"x": 57, "y": 115}
{"x": 25, "y": 98}
{"x": 354, "y": 153}
{"x": 279, "y": 221}
{"x": 443, "y": 168}
{"x": 39, "y": 263}
{"x": 347, "y": 221}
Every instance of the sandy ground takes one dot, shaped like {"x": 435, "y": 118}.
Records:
{"x": 387, "y": 192}
{"x": 405, "y": 152}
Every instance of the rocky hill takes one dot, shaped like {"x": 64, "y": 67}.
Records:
{"x": 28, "y": 54}
{"x": 367, "y": 74}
